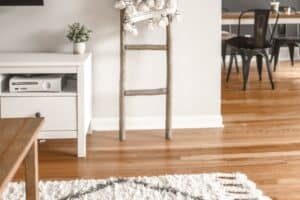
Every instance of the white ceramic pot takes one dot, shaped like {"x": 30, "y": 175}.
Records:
{"x": 79, "y": 48}
{"x": 275, "y": 6}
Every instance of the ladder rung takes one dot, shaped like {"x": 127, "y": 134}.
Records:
{"x": 145, "y": 47}
{"x": 148, "y": 92}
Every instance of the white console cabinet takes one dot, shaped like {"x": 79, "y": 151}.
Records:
{"x": 68, "y": 113}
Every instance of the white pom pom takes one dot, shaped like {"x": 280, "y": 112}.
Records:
{"x": 163, "y": 22}
{"x": 143, "y": 7}
{"x": 151, "y": 25}
{"x": 120, "y": 5}
{"x": 150, "y": 3}
{"x": 128, "y": 27}
{"x": 134, "y": 31}
{"x": 130, "y": 10}
{"x": 172, "y": 4}
{"x": 160, "y": 4}
{"x": 138, "y": 2}
{"x": 131, "y": 28}
{"x": 178, "y": 16}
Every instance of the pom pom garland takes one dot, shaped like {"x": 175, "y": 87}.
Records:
{"x": 158, "y": 13}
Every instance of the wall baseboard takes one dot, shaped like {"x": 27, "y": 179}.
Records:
{"x": 285, "y": 55}
{"x": 142, "y": 123}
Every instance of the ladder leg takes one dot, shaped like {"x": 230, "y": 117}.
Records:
{"x": 122, "y": 131}
{"x": 169, "y": 82}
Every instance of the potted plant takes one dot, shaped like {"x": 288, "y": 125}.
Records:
{"x": 79, "y": 34}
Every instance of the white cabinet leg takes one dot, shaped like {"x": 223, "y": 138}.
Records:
{"x": 90, "y": 130}
{"x": 84, "y": 103}
{"x": 81, "y": 144}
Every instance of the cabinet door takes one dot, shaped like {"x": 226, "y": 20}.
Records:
{"x": 59, "y": 112}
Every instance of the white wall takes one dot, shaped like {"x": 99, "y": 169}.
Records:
{"x": 196, "y": 57}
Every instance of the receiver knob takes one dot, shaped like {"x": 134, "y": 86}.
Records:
{"x": 46, "y": 85}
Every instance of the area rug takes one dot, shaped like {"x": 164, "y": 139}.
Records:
{"x": 217, "y": 186}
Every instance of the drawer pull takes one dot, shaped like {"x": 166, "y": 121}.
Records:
{"x": 38, "y": 115}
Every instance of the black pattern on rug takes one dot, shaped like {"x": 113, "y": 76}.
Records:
{"x": 99, "y": 187}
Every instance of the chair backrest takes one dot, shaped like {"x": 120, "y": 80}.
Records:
{"x": 261, "y": 23}
{"x": 225, "y": 10}
{"x": 283, "y": 8}
{"x": 282, "y": 28}
{"x": 228, "y": 28}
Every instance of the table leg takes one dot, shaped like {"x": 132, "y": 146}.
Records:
{"x": 31, "y": 173}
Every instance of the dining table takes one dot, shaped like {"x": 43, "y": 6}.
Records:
{"x": 232, "y": 18}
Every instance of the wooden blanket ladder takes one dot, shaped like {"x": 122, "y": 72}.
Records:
{"x": 167, "y": 91}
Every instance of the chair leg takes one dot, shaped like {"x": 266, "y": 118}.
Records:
{"x": 272, "y": 57}
{"x": 269, "y": 70}
{"x": 292, "y": 50}
{"x": 246, "y": 68}
{"x": 243, "y": 65}
{"x": 276, "y": 54}
{"x": 224, "y": 48}
{"x": 229, "y": 67}
{"x": 272, "y": 52}
{"x": 236, "y": 64}
{"x": 259, "y": 61}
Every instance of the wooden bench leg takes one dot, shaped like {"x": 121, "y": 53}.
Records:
{"x": 31, "y": 173}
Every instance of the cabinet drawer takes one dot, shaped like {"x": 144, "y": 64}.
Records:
{"x": 59, "y": 112}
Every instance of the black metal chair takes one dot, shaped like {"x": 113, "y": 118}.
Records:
{"x": 226, "y": 35}
{"x": 283, "y": 40}
{"x": 256, "y": 46}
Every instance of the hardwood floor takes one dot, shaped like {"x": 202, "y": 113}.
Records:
{"x": 261, "y": 138}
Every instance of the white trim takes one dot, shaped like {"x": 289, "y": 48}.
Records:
{"x": 140, "y": 123}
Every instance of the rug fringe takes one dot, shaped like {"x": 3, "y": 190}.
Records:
{"x": 238, "y": 186}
